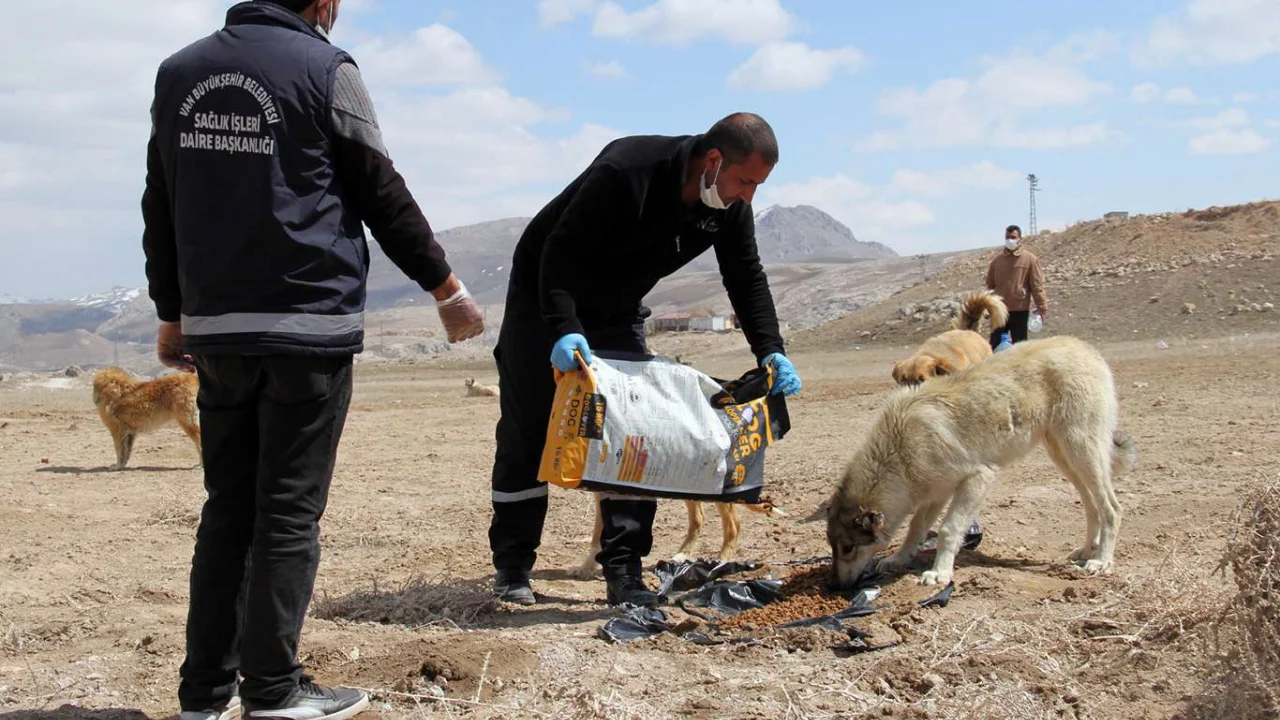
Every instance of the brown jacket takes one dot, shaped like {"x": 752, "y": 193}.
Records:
{"x": 1016, "y": 277}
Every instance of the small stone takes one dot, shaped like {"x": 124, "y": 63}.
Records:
{"x": 929, "y": 681}
{"x": 1154, "y": 299}
{"x": 1188, "y": 308}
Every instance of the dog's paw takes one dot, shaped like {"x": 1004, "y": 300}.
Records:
{"x": 1095, "y": 567}
{"x": 892, "y": 565}
{"x": 934, "y": 577}
{"x": 1082, "y": 553}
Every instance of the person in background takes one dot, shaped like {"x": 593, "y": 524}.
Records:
{"x": 1014, "y": 274}
{"x": 645, "y": 207}
{"x": 264, "y": 162}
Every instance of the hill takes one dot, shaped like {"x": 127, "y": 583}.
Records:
{"x": 481, "y": 254}
{"x": 1196, "y": 274}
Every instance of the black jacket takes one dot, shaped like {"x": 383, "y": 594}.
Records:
{"x": 265, "y": 159}
{"x": 591, "y": 255}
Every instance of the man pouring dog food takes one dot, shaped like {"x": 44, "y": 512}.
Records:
{"x": 644, "y": 208}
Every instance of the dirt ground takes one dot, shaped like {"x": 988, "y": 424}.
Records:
{"x": 93, "y": 564}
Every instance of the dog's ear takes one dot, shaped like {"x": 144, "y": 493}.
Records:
{"x": 942, "y": 366}
{"x": 870, "y": 520}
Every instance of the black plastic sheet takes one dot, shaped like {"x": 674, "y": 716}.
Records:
{"x": 689, "y": 574}
{"x": 702, "y": 585}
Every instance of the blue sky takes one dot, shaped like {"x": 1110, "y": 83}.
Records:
{"x": 913, "y": 123}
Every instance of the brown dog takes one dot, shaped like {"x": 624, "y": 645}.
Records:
{"x": 729, "y": 526}
{"x": 130, "y": 406}
{"x": 956, "y": 349}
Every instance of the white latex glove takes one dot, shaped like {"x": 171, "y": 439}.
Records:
{"x": 461, "y": 316}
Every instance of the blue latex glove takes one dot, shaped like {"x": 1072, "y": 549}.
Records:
{"x": 785, "y": 379}
{"x": 562, "y": 352}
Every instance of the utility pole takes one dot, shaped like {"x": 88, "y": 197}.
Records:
{"x": 1034, "y": 182}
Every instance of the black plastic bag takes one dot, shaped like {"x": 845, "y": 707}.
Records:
{"x": 689, "y": 574}
{"x": 636, "y": 623}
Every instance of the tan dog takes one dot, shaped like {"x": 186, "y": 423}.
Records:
{"x": 942, "y": 441}
{"x": 956, "y": 349}
{"x": 730, "y": 530}
{"x": 130, "y": 407}
{"x": 475, "y": 389}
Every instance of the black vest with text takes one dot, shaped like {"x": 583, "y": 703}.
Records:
{"x": 270, "y": 258}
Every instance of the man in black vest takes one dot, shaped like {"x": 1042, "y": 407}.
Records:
{"x": 644, "y": 208}
{"x": 264, "y": 161}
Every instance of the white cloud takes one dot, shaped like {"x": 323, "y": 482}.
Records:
{"x": 1144, "y": 93}
{"x": 431, "y": 55}
{"x": 1246, "y": 141}
{"x": 555, "y": 12}
{"x": 1244, "y": 98}
{"x": 612, "y": 70}
{"x": 870, "y": 215}
{"x": 1213, "y": 32}
{"x": 680, "y": 22}
{"x": 941, "y": 183}
{"x": 1084, "y": 47}
{"x": 1181, "y": 96}
{"x": 781, "y": 66}
{"x": 74, "y": 123}
{"x": 1230, "y": 118}
{"x": 1230, "y": 132}
{"x": 991, "y": 109}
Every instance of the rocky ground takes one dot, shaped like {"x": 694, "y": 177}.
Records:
{"x": 93, "y": 564}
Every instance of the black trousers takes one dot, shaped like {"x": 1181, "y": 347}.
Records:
{"x": 270, "y": 427}
{"x": 525, "y": 375}
{"x": 1017, "y": 327}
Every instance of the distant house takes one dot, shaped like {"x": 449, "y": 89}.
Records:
{"x": 712, "y": 323}
{"x": 1116, "y": 215}
{"x": 671, "y": 322}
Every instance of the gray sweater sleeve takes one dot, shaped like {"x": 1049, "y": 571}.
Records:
{"x": 376, "y": 189}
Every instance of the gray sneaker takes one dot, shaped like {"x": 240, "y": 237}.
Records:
{"x": 310, "y": 701}
{"x": 230, "y": 711}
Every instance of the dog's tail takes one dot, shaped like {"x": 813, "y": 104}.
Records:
{"x": 975, "y": 304}
{"x": 1124, "y": 453}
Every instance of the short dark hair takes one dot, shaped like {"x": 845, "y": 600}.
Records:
{"x": 739, "y": 136}
{"x": 294, "y": 5}
{"x": 1013, "y": 228}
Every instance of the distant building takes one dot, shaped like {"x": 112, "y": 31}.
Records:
{"x": 713, "y": 323}
{"x": 671, "y": 322}
{"x": 691, "y": 322}
{"x": 1116, "y": 215}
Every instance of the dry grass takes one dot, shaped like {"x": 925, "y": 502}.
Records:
{"x": 418, "y": 602}
{"x": 1248, "y": 630}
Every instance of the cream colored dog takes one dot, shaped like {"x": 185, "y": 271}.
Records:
{"x": 942, "y": 442}
{"x": 130, "y": 407}
{"x": 956, "y": 349}
{"x": 475, "y": 389}
{"x": 729, "y": 526}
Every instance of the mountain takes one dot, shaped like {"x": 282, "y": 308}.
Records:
{"x": 481, "y": 254}
{"x": 106, "y": 324}
{"x": 805, "y": 234}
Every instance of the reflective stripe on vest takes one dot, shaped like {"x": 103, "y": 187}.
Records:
{"x": 284, "y": 323}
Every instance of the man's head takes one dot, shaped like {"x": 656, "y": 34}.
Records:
{"x": 320, "y": 13}
{"x": 1012, "y": 237}
{"x": 737, "y": 155}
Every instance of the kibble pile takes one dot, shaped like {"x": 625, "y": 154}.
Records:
{"x": 803, "y": 595}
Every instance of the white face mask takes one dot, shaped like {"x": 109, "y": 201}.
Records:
{"x": 711, "y": 196}
{"x": 324, "y": 31}
{"x": 1012, "y": 243}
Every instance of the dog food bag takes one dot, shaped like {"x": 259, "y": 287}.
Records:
{"x": 643, "y": 425}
